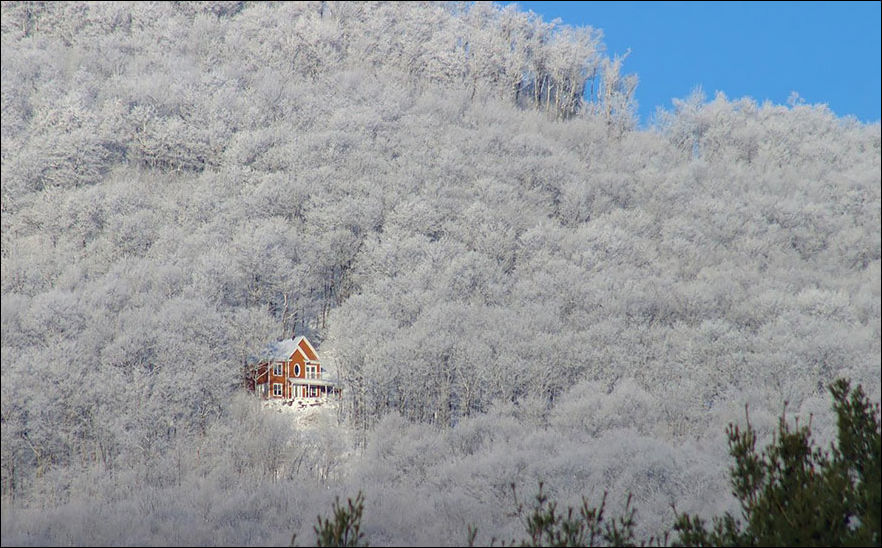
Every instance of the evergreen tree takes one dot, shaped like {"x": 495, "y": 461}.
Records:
{"x": 793, "y": 494}
{"x": 546, "y": 526}
{"x": 345, "y": 527}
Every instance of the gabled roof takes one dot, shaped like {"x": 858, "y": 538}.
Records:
{"x": 278, "y": 350}
{"x": 282, "y": 350}
{"x": 303, "y": 339}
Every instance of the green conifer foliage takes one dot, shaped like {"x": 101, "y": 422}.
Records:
{"x": 345, "y": 528}
{"x": 793, "y": 494}
{"x": 546, "y": 526}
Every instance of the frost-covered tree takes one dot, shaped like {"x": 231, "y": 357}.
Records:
{"x": 450, "y": 197}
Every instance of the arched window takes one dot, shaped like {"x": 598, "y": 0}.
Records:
{"x": 296, "y": 369}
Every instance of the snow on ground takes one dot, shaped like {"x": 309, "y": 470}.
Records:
{"x": 320, "y": 427}
{"x": 310, "y": 413}
{"x": 307, "y": 413}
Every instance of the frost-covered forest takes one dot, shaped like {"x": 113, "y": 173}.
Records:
{"x": 517, "y": 282}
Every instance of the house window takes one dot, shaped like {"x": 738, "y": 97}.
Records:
{"x": 296, "y": 369}
{"x": 277, "y": 369}
{"x": 277, "y": 389}
{"x": 310, "y": 372}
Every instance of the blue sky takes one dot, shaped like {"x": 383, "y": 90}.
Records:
{"x": 827, "y": 52}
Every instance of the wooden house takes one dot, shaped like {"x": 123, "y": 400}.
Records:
{"x": 289, "y": 370}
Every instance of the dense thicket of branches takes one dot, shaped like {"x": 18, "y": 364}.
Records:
{"x": 791, "y": 493}
{"x": 515, "y": 281}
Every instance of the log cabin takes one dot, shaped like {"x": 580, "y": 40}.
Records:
{"x": 289, "y": 370}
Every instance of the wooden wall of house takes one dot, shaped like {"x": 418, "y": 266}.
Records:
{"x": 280, "y": 379}
{"x": 304, "y": 346}
{"x": 288, "y": 370}
{"x": 256, "y": 377}
{"x": 298, "y": 359}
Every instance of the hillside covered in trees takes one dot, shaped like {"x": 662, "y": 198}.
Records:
{"x": 518, "y": 283}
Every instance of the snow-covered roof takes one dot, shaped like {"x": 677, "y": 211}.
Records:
{"x": 282, "y": 350}
{"x": 311, "y": 348}
{"x": 279, "y": 350}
